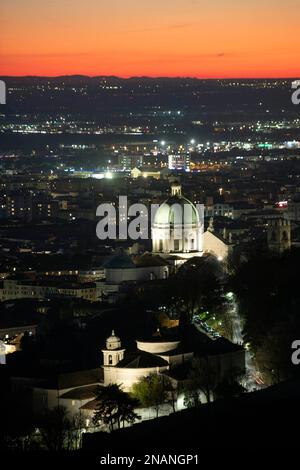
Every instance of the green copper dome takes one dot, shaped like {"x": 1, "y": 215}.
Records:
{"x": 176, "y": 210}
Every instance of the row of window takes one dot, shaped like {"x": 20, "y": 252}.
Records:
{"x": 177, "y": 244}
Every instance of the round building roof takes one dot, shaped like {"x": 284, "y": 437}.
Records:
{"x": 176, "y": 210}
{"x": 120, "y": 261}
{"x": 113, "y": 341}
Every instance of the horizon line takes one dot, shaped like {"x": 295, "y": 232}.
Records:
{"x": 120, "y": 77}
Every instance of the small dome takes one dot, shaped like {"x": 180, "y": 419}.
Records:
{"x": 119, "y": 261}
{"x": 113, "y": 341}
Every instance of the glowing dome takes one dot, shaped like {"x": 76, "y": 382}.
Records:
{"x": 177, "y": 226}
{"x": 176, "y": 211}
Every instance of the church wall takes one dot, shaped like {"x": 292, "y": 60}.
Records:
{"x": 191, "y": 239}
{"x": 214, "y": 245}
{"x": 73, "y": 406}
{"x": 46, "y": 399}
{"x": 178, "y": 359}
{"x": 127, "y": 376}
{"x": 157, "y": 347}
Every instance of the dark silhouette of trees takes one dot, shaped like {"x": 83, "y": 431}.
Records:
{"x": 205, "y": 378}
{"x": 192, "y": 398}
{"x": 196, "y": 288}
{"x": 114, "y": 407}
{"x": 170, "y": 391}
{"x": 126, "y": 413}
{"x": 58, "y": 431}
{"x": 268, "y": 294}
{"x": 55, "y": 426}
{"x": 17, "y": 422}
{"x": 273, "y": 352}
{"x": 230, "y": 385}
{"x": 199, "y": 286}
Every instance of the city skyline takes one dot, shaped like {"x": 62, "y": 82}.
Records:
{"x": 221, "y": 40}
{"x": 149, "y": 229}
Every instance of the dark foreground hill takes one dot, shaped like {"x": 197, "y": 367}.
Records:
{"x": 264, "y": 419}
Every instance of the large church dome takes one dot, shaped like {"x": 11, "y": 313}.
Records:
{"x": 176, "y": 210}
{"x": 176, "y": 226}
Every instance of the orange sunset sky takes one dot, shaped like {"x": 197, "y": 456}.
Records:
{"x": 199, "y": 38}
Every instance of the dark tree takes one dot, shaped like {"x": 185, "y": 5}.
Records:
{"x": 114, "y": 407}
{"x": 268, "y": 294}
{"x": 192, "y": 398}
{"x": 230, "y": 385}
{"x": 171, "y": 392}
{"x": 55, "y": 427}
{"x": 203, "y": 377}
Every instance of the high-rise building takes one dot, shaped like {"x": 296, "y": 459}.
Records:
{"x": 128, "y": 162}
{"x": 180, "y": 161}
{"x": 26, "y": 205}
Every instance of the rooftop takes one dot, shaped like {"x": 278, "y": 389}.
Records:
{"x": 120, "y": 261}
{"x": 140, "y": 360}
{"x": 73, "y": 379}
{"x": 81, "y": 393}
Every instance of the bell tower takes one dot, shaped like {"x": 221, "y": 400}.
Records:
{"x": 113, "y": 353}
{"x": 279, "y": 235}
{"x": 176, "y": 189}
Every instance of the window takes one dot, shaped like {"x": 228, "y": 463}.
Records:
{"x": 110, "y": 359}
{"x": 176, "y": 245}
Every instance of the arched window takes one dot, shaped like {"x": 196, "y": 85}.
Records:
{"x": 110, "y": 360}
